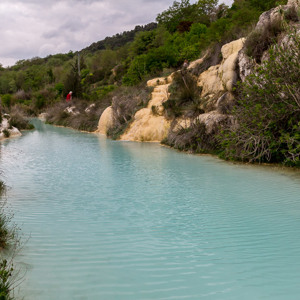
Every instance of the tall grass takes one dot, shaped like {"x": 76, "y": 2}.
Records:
{"x": 9, "y": 246}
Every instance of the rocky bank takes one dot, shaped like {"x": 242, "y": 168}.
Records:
{"x": 217, "y": 83}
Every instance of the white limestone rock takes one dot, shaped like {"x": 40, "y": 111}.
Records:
{"x": 72, "y": 110}
{"x": 106, "y": 121}
{"x": 5, "y": 127}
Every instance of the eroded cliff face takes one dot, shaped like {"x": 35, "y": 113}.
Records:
{"x": 106, "y": 121}
{"x": 221, "y": 78}
{"x": 149, "y": 124}
{"x": 217, "y": 82}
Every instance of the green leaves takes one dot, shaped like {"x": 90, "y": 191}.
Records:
{"x": 268, "y": 111}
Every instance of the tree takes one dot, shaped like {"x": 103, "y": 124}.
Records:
{"x": 206, "y": 7}
{"x": 73, "y": 80}
{"x": 184, "y": 11}
{"x": 178, "y": 12}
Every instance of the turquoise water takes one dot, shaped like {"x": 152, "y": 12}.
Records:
{"x": 121, "y": 220}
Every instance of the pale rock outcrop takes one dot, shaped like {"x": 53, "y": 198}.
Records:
{"x": 159, "y": 81}
{"x": 43, "y": 116}
{"x": 210, "y": 120}
{"x": 12, "y": 131}
{"x": 228, "y": 66}
{"x": 275, "y": 14}
{"x": 295, "y": 3}
{"x": 196, "y": 62}
{"x": 221, "y": 78}
{"x": 211, "y": 82}
{"x": 106, "y": 121}
{"x": 232, "y": 48}
{"x": 72, "y": 110}
{"x": 149, "y": 124}
{"x": 246, "y": 64}
{"x": 213, "y": 118}
{"x": 90, "y": 108}
{"x": 146, "y": 127}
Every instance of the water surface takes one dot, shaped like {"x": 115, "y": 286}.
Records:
{"x": 122, "y": 220}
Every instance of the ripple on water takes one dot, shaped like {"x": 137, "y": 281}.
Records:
{"x": 116, "y": 220}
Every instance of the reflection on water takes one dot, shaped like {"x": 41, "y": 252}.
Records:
{"x": 122, "y": 220}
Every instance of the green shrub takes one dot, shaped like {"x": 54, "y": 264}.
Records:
{"x": 9, "y": 240}
{"x": 6, "y": 133}
{"x": 6, "y": 272}
{"x": 6, "y": 100}
{"x": 194, "y": 138}
{"x": 59, "y": 87}
{"x": 19, "y": 121}
{"x": 267, "y": 112}
{"x": 184, "y": 97}
{"x": 39, "y": 102}
{"x": 260, "y": 40}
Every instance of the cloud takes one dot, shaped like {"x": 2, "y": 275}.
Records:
{"x": 32, "y": 28}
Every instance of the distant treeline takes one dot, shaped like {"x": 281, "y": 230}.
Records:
{"x": 119, "y": 39}
{"x": 114, "y": 70}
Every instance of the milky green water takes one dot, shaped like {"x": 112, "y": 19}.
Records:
{"x": 122, "y": 220}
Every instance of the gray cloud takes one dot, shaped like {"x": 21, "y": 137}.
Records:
{"x": 32, "y": 28}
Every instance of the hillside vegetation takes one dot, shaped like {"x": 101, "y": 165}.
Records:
{"x": 109, "y": 71}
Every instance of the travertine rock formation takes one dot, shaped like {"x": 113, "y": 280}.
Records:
{"x": 221, "y": 78}
{"x": 217, "y": 84}
{"x": 5, "y": 127}
{"x": 106, "y": 121}
{"x": 149, "y": 124}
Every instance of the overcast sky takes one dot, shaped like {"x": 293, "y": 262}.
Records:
{"x": 30, "y": 28}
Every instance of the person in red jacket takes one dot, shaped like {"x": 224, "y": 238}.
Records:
{"x": 69, "y": 97}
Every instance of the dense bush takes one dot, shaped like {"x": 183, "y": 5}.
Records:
{"x": 184, "y": 96}
{"x": 6, "y": 100}
{"x": 9, "y": 240}
{"x": 84, "y": 116}
{"x": 194, "y": 138}
{"x": 18, "y": 119}
{"x": 260, "y": 40}
{"x": 125, "y": 103}
{"x": 268, "y": 110}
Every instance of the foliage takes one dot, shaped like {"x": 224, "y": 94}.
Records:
{"x": 185, "y": 31}
{"x": 6, "y": 271}
{"x": 184, "y": 96}
{"x": 18, "y": 119}
{"x": 260, "y": 40}
{"x": 6, "y": 133}
{"x": 120, "y": 39}
{"x": 194, "y": 138}
{"x": 150, "y": 63}
{"x": 268, "y": 110}
{"x": 184, "y": 11}
{"x": 9, "y": 240}
{"x": 125, "y": 103}
{"x": 59, "y": 87}
{"x": 6, "y": 100}
{"x": 73, "y": 81}
{"x": 86, "y": 117}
